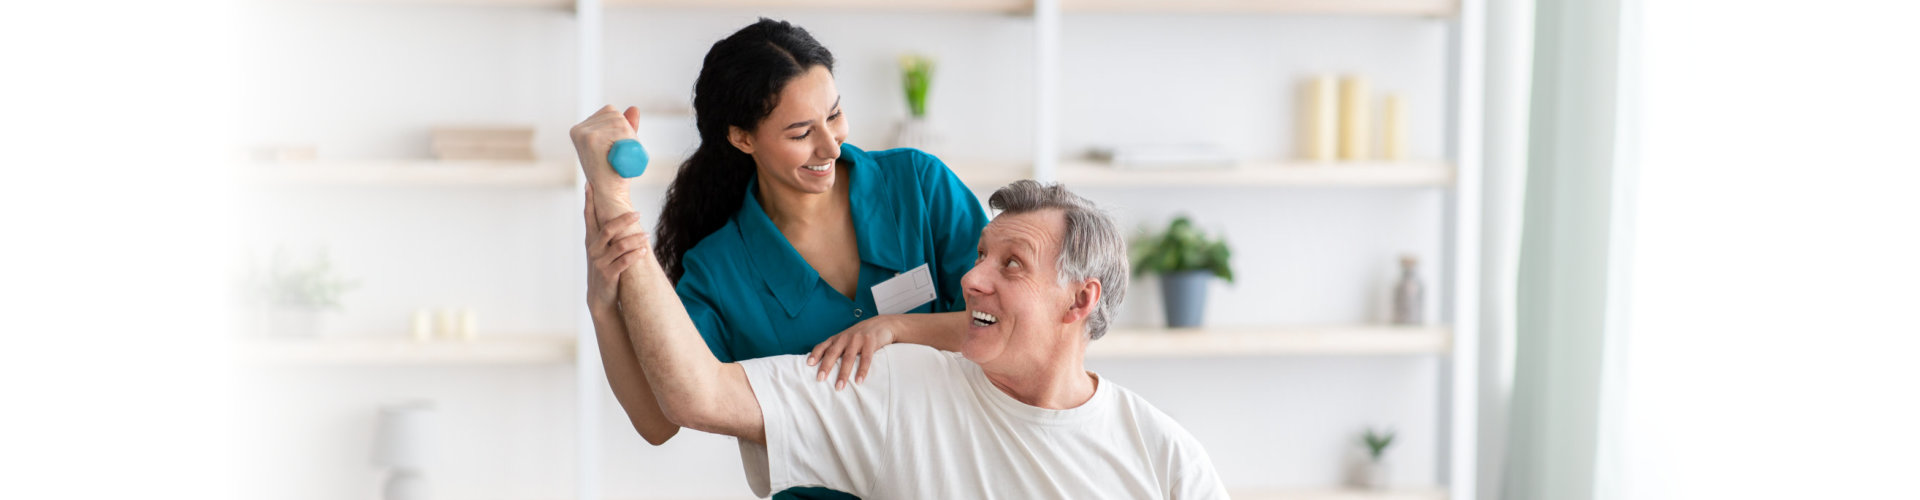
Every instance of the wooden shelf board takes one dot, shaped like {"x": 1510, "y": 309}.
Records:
{"x": 1271, "y": 341}
{"x": 1427, "y": 8}
{"x": 1419, "y": 8}
{"x": 527, "y": 349}
{"x": 1302, "y": 174}
{"x": 992, "y": 6}
{"x": 979, "y": 175}
{"x": 553, "y": 4}
{"x": 418, "y": 173}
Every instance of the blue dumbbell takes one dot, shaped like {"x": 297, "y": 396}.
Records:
{"x": 628, "y": 158}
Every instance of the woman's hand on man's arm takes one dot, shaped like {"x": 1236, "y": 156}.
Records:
{"x": 609, "y": 253}
{"x": 851, "y": 350}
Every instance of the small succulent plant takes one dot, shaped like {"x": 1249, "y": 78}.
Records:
{"x": 1377, "y": 442}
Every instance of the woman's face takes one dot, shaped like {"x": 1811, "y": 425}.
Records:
{"x": 795, "y": 147}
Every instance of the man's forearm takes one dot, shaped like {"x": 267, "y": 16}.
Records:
{"x": 627, "y": 379}
{"x": 677, "y": 363}
{"x": 694, "y": 388}
{"x": 943, "y": 331}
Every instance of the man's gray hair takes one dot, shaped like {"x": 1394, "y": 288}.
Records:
{"x": 1092, "y": 247}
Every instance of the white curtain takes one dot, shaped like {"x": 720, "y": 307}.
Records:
{"x": 1714, "y": 288}
{"x": 1560, "y": 96}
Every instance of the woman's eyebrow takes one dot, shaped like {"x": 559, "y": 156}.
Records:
{"x": 809, "y": 123}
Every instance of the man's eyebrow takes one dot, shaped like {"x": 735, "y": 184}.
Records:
{"x": 1032, "y": 249}
{"x": 808, "y": 123}
{"x": 1019, "y": 244}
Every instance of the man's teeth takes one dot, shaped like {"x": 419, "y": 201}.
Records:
{"x": 984, "y": 319}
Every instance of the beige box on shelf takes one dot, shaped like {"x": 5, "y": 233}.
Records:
{"x": 483, "y": 143}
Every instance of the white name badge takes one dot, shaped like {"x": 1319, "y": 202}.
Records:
{"x": 905, "y": 291}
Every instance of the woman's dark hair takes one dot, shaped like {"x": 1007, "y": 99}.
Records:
{"x": 739, "y": 85}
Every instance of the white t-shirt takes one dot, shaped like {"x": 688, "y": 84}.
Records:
{"x": 928, "y": 424}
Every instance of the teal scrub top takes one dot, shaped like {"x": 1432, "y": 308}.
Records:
{"x": 752, "y": 295}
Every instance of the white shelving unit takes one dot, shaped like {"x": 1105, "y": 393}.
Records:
{"x": 1456, "y": 175}
{"x": 978, "y": 175}
{"x": 399, "y": 351}
{"x": 1423, "y": 8}
{"x": 1453, "y": 344}
{"x": 415, "y": 173}
{"x": 1269, "y": 341}
{"x": 994, "y": 6}
{"x": 1270, "y": 174}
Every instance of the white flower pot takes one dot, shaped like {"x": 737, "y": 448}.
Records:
{"x": 917, "y": 133}
{"x": 1372, "y": 475}
{"x": 293, "y": 321}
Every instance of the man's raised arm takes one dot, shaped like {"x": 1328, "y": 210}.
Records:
{"x": 695, "y": 390}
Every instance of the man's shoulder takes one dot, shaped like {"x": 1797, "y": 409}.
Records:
{"x": 1154, "y": 425}
{"x": 1170, "y": 448}
{"x": 919, "y": 358}
{"x": 913, "y": 362}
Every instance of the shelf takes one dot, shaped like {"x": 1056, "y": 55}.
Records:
{"x": 1428, "y": 8}
{"x": 1271, "y": 341}
{"x": 1429, "y": 493}
{"x": 420, "y": 173}
{"x": 1299, "y": 174}
{"x": 518, "y": 350}
{"x": 553, "y": 4}
{"x": 979, "y": 175}
{"x": 990, "y": 6}
{"x": 1421, "y": 8}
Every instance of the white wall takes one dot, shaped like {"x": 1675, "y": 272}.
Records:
{"x": 367, "y": 81}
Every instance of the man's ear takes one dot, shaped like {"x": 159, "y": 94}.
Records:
{"x": 740, "y": 138}
{"x": 1086, "y": 296}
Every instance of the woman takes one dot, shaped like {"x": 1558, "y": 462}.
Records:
{"x": 775, "y": 231}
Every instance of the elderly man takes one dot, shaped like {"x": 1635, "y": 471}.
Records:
{"x": 1013, "y": 415}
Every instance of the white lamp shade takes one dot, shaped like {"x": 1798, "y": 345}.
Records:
{"x": 403, "y": 436}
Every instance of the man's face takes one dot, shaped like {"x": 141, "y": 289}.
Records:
{"x": 1014, "y": 293}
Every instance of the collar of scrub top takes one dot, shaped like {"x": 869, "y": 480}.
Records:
{"x": 875, "y": 223}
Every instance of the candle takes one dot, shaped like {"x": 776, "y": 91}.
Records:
{"x": 1393, "y": 128}
{"x": 1355, "y": 131}
{"x": 1320, "y": 119}
{"x": 422, "y": 325}
{"x": 446, "y": 324}
{"x": 468, "y": 327}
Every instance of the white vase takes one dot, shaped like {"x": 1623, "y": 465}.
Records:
{"x": 1372, "y": 475}
{"x": 293, "y": 321}
{"x": 404, "y": 484}
{"x": 916, "y": 132}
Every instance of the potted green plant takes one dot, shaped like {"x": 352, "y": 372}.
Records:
{"x": 297, "y": 295}
{"x": 1373, "y": 473}
{"x": 1185, "y": 258}
{"x": 916, "y": 76}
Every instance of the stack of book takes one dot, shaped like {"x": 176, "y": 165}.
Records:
{"x": 485, "y": 144}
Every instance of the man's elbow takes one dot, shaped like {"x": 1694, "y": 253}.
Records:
{"x": 683, "y": 413}
{"x": 656, "y": 434}
{"x": 704, "y": 416}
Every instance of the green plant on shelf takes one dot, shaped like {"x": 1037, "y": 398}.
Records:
{"x": 1182, "y": 247}
{"x": 916, "y": 74}
{"x": 312, "y": 285}
{"x": 1377, "y": 442}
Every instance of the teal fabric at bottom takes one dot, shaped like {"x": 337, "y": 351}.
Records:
{"x": 812, "y": 494}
